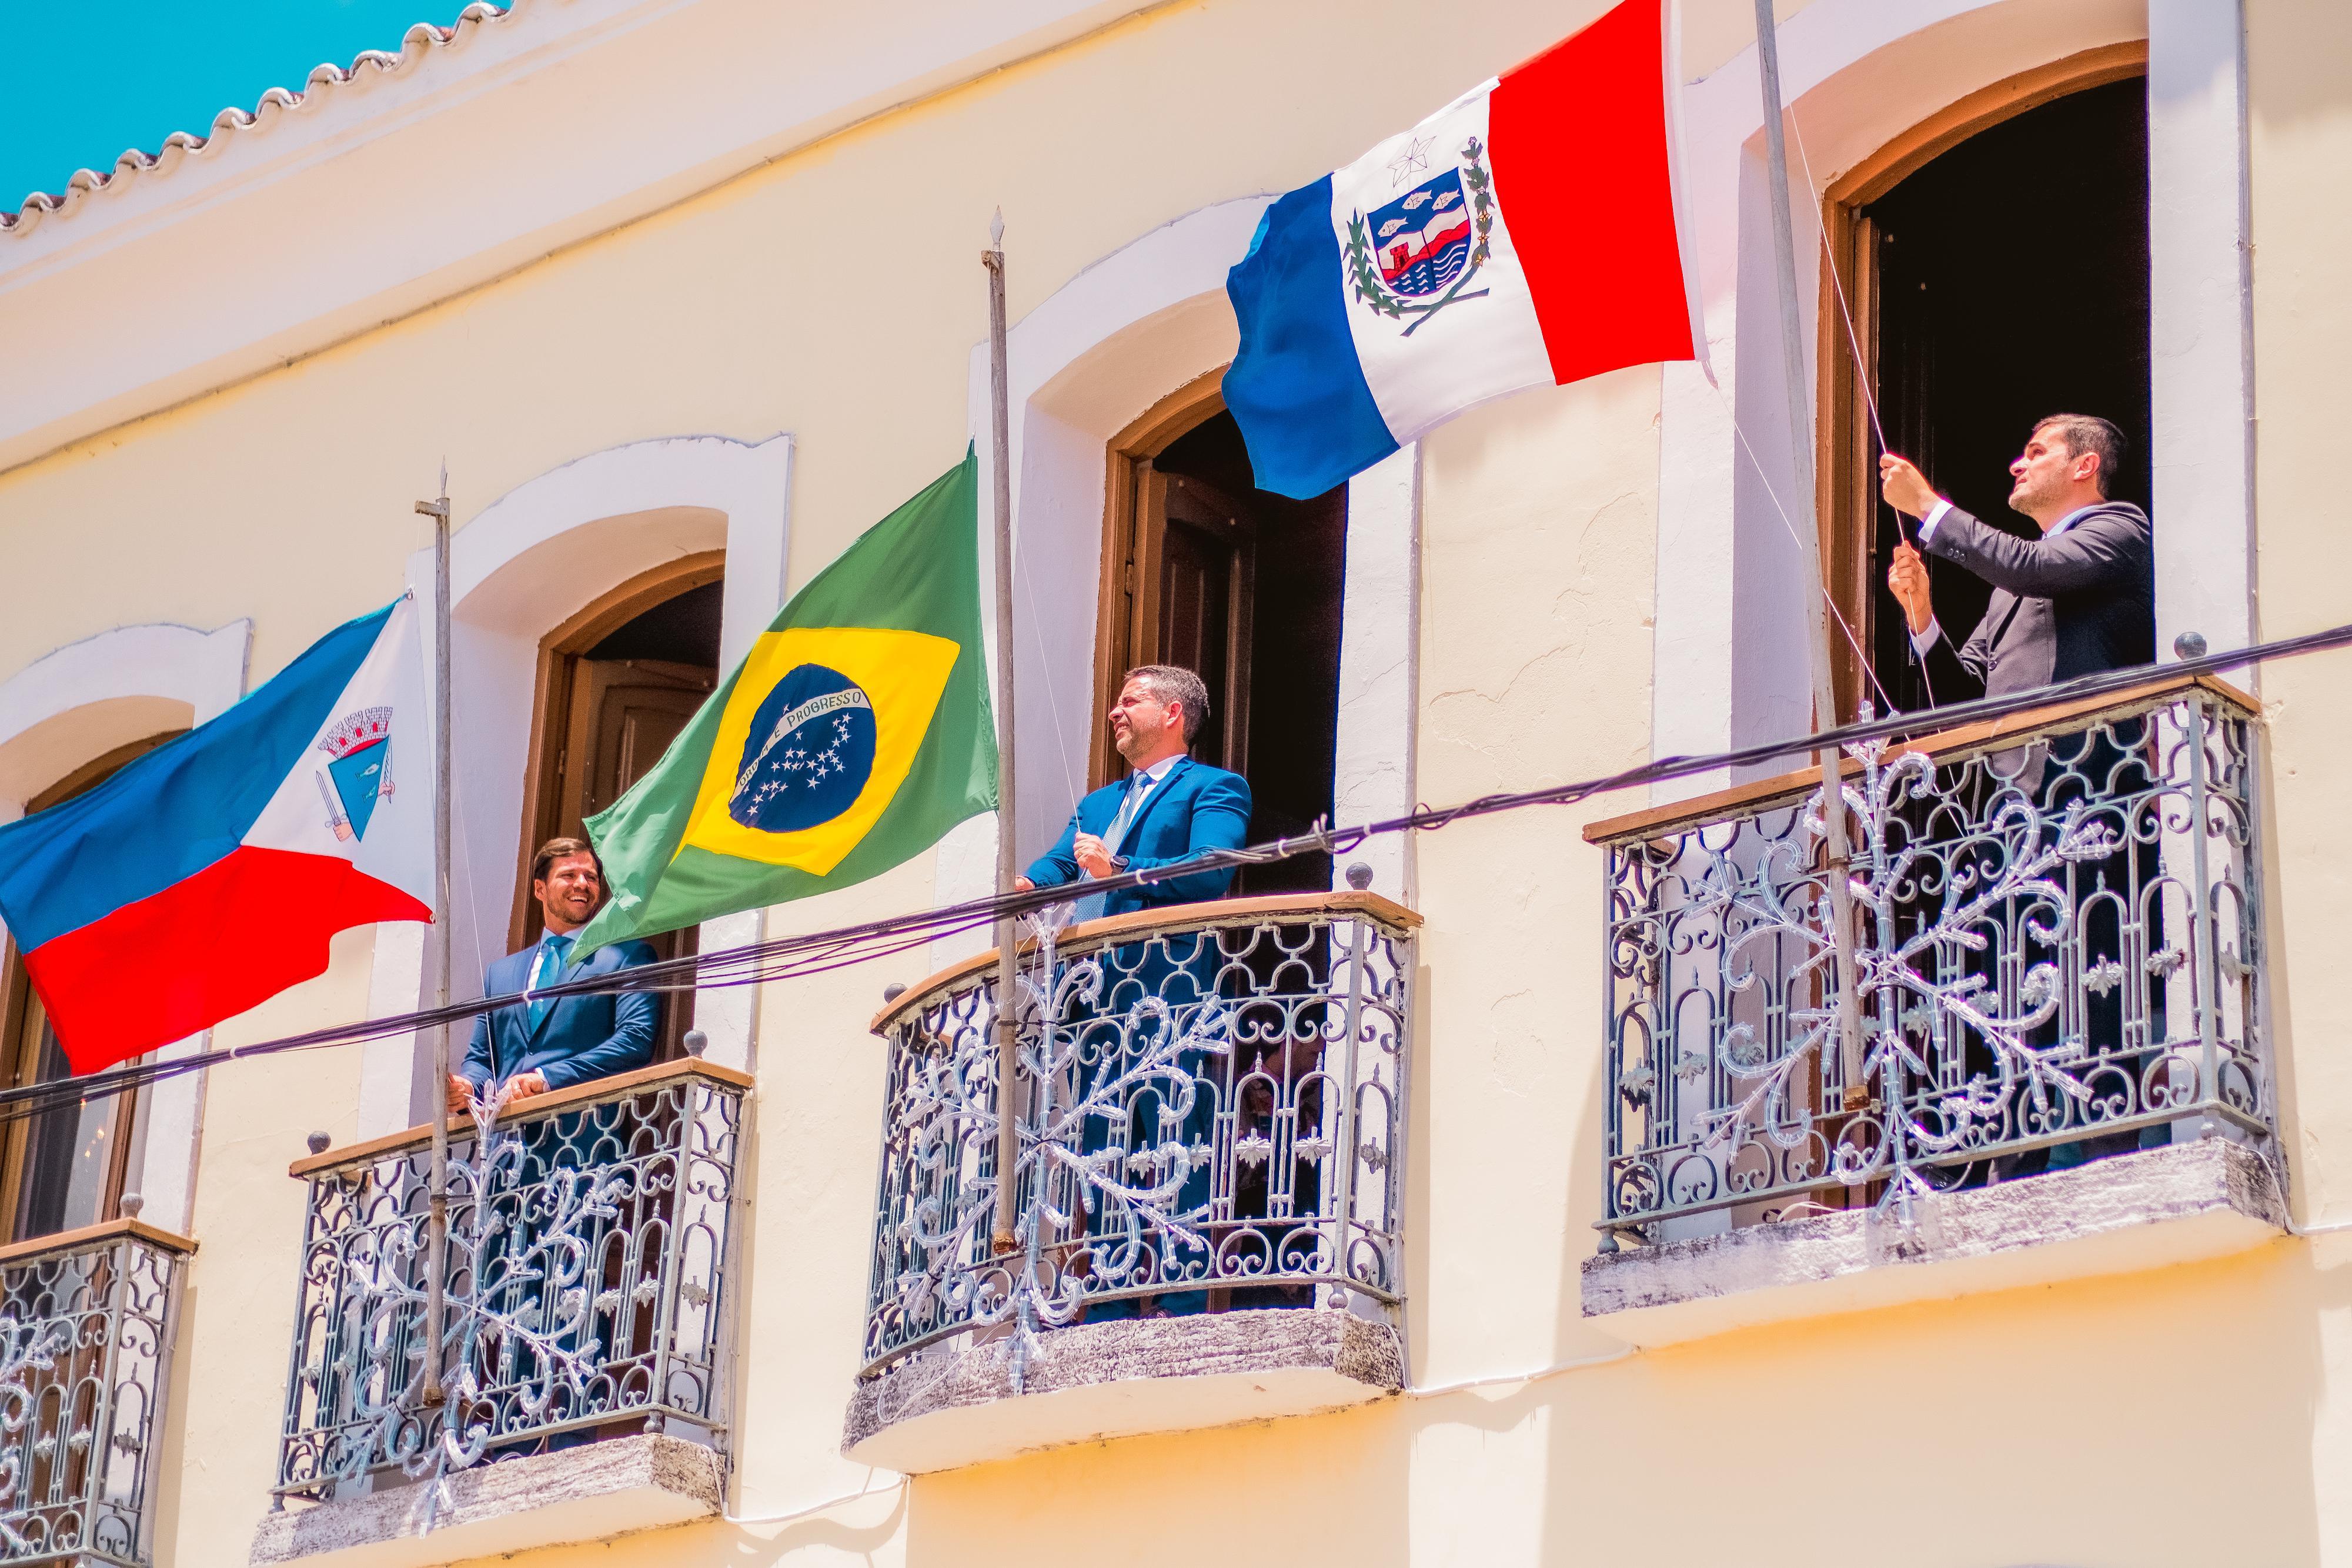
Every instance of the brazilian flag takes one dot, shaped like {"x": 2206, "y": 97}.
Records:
{"x": 853, "y": 735}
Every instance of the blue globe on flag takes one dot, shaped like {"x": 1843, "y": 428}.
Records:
{"x": 808, "y": 755}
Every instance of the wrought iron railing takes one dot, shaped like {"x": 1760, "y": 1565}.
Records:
{"x": 590, "y": 1245}
{"x": 2058, "y": 949}
{"x": 1211, "y": 1109}
{"x": 86, "y": 1326}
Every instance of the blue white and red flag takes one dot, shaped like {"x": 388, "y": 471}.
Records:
{"x": 1524, "y": 235}
{"x": 207, "y": 875}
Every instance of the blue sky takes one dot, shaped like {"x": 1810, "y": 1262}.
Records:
{"x": 82, "y": 80}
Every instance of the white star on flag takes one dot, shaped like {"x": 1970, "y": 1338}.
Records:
{"x": 1413, "y": 159}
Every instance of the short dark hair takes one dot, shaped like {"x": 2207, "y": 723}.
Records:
{"x": 2087, "y": 433}
{"x": 1175, "y": 683}
{"x": 555, "y": 850}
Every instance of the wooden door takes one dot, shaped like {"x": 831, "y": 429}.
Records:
{"x": 1194, "y": 586}
{"x": 623, "y": 715}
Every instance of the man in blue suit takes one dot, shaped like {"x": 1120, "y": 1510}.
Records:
{"x": 1168, "y": 808}
{"x": 531, "y": 1047}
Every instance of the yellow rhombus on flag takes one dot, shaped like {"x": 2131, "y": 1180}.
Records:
{"x": 852, "y": 736}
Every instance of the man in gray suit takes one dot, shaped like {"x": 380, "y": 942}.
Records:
{"x": 2080, "y": 599}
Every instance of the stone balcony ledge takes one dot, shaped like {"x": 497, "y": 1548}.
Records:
{"x": 2178, "y": 1203}
{"x": 591, "y": 1494}
{"x": 956, "y": 1406}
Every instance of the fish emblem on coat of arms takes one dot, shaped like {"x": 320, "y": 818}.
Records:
{"x": 358, "y": 770}
{"x": 1418, "y": 253}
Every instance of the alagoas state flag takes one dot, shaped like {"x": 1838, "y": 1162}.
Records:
{"x": 852, "y": 736}
{"x": 1526, "y": 234}
{"x": 207, "y": 875}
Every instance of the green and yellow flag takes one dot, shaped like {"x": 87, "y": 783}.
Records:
{"x": 853, "y": 735}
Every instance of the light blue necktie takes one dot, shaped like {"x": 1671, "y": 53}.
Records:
{"x": 545, "y": 971}
{"x": 1092, "y": 907}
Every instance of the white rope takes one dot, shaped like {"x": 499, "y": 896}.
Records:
{"x": 1828, "y": 599}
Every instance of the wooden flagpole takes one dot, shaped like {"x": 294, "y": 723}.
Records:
{"x": 1008, "y": 1020}
{"x": 1806, "y": 510}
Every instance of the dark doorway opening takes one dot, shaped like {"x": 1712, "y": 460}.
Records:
{"x": 2005, "y": 280}
{"x": 618, "y": 684}
{"x": 1243, "y": 586}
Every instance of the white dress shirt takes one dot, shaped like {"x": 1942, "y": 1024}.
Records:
{"x": 1923, "y": 641}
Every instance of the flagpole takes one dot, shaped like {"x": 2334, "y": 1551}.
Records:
{"x": 1800, "y": 457}
{"x": 437, "y": 1248}
{"x": 1008, "y": 1021}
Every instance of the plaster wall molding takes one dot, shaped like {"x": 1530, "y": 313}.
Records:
{"x": 296, "y": 233}
{"x": 518, "y": 569}
{"x": 1082, "y": 366}
{"x": 76, "y": 703}
{"x": 1731, "y": 657}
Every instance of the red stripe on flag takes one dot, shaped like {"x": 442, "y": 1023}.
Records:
{"x": 226, "y": 939}
{"x": 1583, "y": 175}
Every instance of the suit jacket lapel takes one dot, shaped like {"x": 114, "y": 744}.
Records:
{"x": 1159, "y": 792}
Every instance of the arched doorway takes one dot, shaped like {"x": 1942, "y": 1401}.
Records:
{"x": 63, "y": 1167}
{"x": 1203, "y": 568}
{"x": 616, "y": 684}
{"x": 1995, "y": 268}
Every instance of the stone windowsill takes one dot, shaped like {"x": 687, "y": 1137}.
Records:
{"x": 2160, "y": 1207}
{"x": 956, "y": 1407}
{"x": 593, "y": 1492}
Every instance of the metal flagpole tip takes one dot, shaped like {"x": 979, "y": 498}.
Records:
{"x": 996, "y": 230}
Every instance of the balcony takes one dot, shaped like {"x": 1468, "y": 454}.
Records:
{"x": 1208, "y": 1198}
{"x": 87, "y": 1320}
{"x": 2058, "y": 941}
{"x": 585, "y": 1350}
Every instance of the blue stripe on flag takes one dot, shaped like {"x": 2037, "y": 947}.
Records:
{"x": 1296, "y": 387}
{"x": 172, "y": 813}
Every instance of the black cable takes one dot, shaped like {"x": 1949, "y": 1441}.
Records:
{"x": 819, "y": 952}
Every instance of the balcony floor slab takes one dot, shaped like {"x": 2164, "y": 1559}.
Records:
{"x": 593, "y": 1492}
{"x": 2160, "y": 1207}
{"x": 956, "y": 1407}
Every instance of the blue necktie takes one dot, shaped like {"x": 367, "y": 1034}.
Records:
{"x": 545, "y": 971}
{"x": 1095, "y": 904}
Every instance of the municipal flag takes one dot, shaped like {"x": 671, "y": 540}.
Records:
{"x": 207, "y": 875}
{"x": 852, "y": 736}
{"x": 1523, "y": 236}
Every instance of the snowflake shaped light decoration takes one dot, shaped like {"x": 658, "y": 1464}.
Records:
{"x": 1132, "y": 1189}
{"x": 1903, "y": 994}
{"x": 518, "y": 1302}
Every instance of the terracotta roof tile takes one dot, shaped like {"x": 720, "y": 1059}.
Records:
{"x": 235, "y": 125}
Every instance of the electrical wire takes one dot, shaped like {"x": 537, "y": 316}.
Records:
{"x": 815, "y": 953}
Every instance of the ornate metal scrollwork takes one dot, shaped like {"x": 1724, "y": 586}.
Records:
{"x": 85, "y": 1337}
{"x": 587, "y": 1255}
{"x": 2052, "y": 945}
{"x": 1186, "y": 1095}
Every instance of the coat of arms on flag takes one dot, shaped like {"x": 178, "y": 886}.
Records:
{"x": 1547, "y": 195}
{"x": 1431, "y": 241}
{"x": 359, "y": 770}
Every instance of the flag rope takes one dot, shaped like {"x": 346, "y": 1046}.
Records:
{"x": 790, "y": 958}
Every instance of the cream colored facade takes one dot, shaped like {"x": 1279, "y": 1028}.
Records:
{"x": 656, "y": 237}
